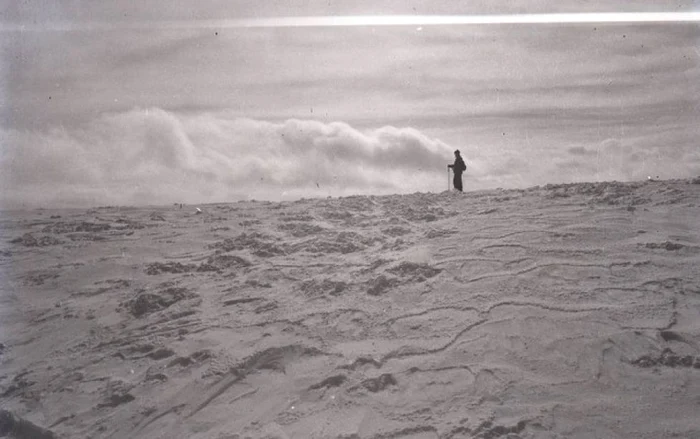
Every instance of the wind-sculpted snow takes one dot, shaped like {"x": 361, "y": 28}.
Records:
{"x": 499, "y": 314}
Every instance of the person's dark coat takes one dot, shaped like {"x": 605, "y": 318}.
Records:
{"x": 458, "y": 167}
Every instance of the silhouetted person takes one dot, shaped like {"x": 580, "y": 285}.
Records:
{"x": 458, "y": 167}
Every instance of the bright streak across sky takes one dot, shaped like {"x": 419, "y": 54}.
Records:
{"x": 400, "y": 20}
{"x": 374, "y": 20}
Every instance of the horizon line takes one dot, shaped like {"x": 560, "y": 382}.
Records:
{"x": 369, "y": 20}
{"x": 248, "y": 198}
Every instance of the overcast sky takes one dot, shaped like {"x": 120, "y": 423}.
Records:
{"x": 128, "y": 103}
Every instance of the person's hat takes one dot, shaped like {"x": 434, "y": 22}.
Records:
{"x": 456, "y": 151}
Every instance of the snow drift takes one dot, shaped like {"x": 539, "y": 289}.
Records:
{"x": 495, "y": 314}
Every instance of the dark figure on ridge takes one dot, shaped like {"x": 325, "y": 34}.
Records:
{"x": 458, "y": 167}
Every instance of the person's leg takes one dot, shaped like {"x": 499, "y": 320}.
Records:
{"x": 458, "y": 181}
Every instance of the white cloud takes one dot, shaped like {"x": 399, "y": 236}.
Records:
{"x": 151, "y": 156}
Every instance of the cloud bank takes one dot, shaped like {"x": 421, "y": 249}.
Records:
{"x": 151, "y": 156}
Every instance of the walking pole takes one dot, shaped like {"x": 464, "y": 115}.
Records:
{"x": 448, "y": 178}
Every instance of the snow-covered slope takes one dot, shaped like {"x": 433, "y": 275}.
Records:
{"x": 564, "y": 311}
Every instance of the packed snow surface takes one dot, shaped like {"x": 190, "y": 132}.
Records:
{"x": 563, "y": 311}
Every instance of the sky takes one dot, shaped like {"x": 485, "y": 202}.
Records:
{"x": 117, "y": 103}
